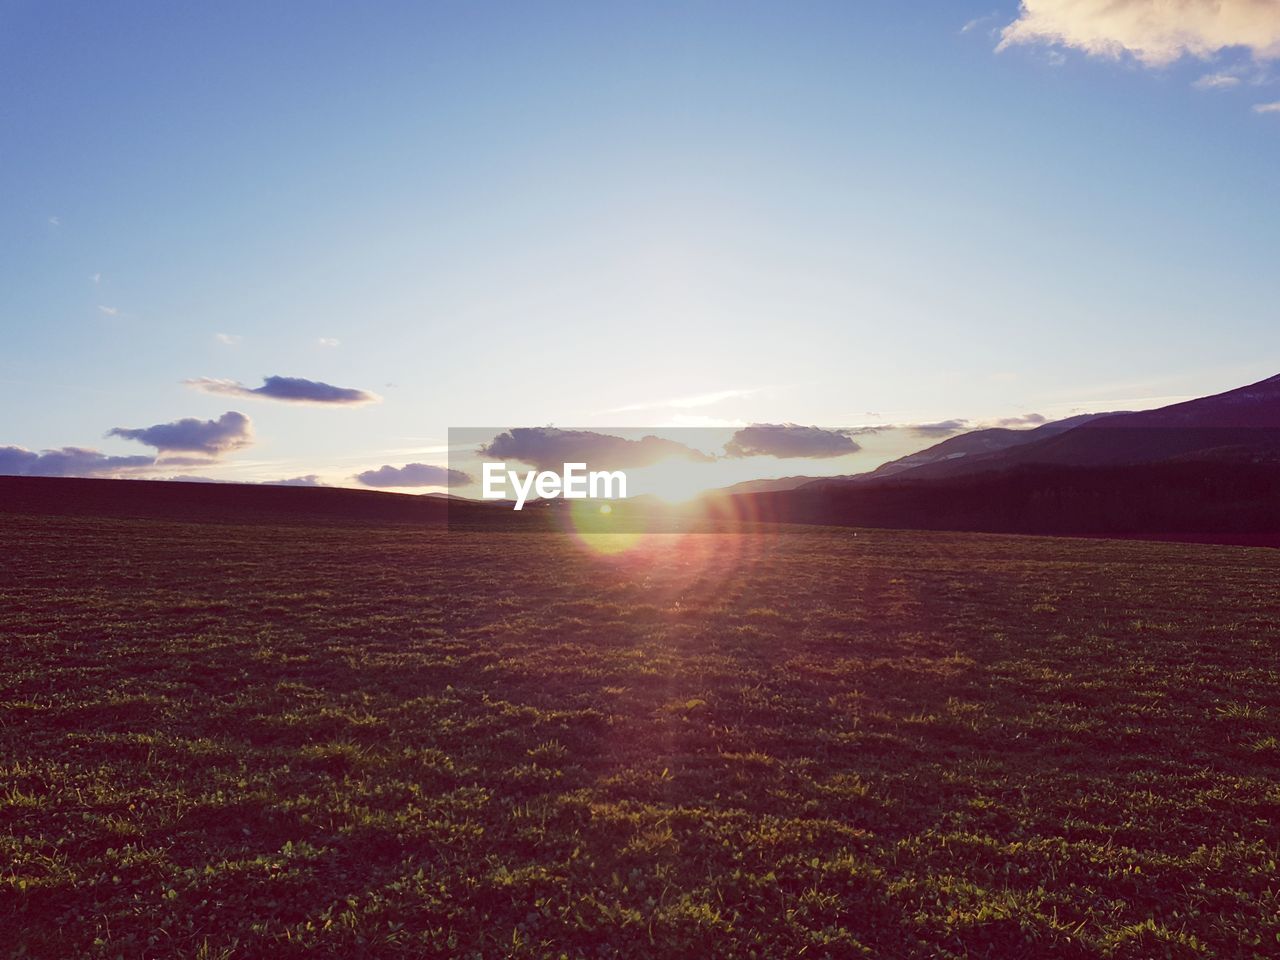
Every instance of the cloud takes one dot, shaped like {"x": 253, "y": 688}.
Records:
{"x": 310, "y": 480}
{"x": 1026, "y": 420}
{"x": 1267, "y": 107}
{"x": 790, "y": 440}
{"x": 228, "y": 339}
{"x": 329, "y": 342}
{"x": 96, "y": 277}
{"x": 66, "y": 462}
{"x": 55, "y": 221}
{"x": 701, "y": 421}
{"x": 288, "y": 389}
{"x": 686, "y": 403}
{"x": 109, "y": 311}
{"x": 413, "y": 475}
{"x": 171, "y": 461}
{"x": 1154, "y": 32}
{"x": 212, "y": 438}
{"x": 551, "y": 448}
{"x": 943, "y": 428}
{"x": 977, "y": 22}
{"x": 1217, "y": 81}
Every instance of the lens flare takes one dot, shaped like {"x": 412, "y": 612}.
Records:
{"x": 599, "y": 528}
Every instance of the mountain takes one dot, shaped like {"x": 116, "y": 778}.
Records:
{"x": 1205, "y": 469}
{"x": 1213, "y": 500}
{"x": 977, "y": 443}
{"x": 1239, "y": 425}
{"x": 973, "y": 443}
{"x": 767, "y": 486}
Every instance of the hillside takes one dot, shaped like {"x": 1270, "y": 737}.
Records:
{"x": 767, "y": 486}
{"x": 1226, "y": 499}
{"x": 1223, "y": 500}
{"x": 221, "y": 502}
{"x": 1245, "y": 418}
{"x": 977, "y": 443}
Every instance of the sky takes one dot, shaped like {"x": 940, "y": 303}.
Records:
{"x": 268, "y": 242}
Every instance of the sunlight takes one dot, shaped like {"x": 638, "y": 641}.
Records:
{"x": 594, "y": 527}
{"x": 671, "y": 481}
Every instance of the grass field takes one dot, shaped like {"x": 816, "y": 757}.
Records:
{"x": 233, "y": 741}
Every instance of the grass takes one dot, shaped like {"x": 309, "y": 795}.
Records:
{"x": 346, "y": 741}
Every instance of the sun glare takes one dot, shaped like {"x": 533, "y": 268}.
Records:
{"x": 671, "y": 481}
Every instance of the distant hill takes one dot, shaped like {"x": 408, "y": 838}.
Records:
{"x": 1248, "y": 417}
{"x": 977, "y": 443}
{"x": 220, "y": 502}
{"x": 1205, "y": 469}
{"x": 1216, "y": 500}
{"x": 767, "y": 486}
{"x": 973, "y": 443}
{"x": 1245, "y": 421}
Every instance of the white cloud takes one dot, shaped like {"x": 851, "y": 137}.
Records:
{"x": 1154, "y": 32}
{"x": 708, "y": 399}
{"x": 1217, "y": 81}
{"x": 55, "y": 221}
{"x": 109, "y": 311}
{"x": 228, "y": 339}
{"x": 1273, "y": 107}
{"x": 685, "y": 403}
{"x": 977, "y": 22}
{"x": 96, "y": 277}
{"x": 329, "y": 342}
{"x": 700, "y": 420}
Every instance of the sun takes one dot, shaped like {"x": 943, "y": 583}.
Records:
{"x": 671, "y": 481}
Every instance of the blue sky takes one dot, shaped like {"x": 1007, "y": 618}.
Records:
{"x": 592, "y": 214}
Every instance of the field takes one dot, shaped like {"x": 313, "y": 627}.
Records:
{"x": 389, "y": 741}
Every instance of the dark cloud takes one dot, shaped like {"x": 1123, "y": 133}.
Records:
{"x": 784, "y": 440}
{"x": 310, "y": 480}
{"x": 288, "y": 389}
{"x": 212, "y": 438}
{"x": 551, "y": 448}
{"x": 67, "y": 462}
{"x": 943, "y": 428}
{"x": 413, "y": 475}
{"x": 1027, "y": 420}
